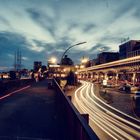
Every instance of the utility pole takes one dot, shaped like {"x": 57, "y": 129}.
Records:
{"x": 18, "y": 60}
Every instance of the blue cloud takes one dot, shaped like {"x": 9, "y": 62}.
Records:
{"x": 4, "y": 21}
{"x": 10, "y": 43}
{"x": 64, "y": 22}
{"x": 43, "y": 20}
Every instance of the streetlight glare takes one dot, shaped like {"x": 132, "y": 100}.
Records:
{"x": 82, "y": 66}
{"x": 84, "y": 60}
{"x": 53, "y": 60}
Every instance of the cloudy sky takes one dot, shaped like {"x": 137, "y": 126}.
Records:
{"x": 45, "y": 28}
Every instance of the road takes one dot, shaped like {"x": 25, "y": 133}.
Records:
{"x": 106, "y": 121}
{"x": 30, "y": 114}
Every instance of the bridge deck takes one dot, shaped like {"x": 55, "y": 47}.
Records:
{"x": 31, "y": 113}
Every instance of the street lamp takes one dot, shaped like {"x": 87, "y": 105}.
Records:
{"x": 52, "y": 60}
{"x": 70, "y": 48}
{"x": 84, "y": 60}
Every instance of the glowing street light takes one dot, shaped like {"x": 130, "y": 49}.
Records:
{"x": 82, "y": 66}
{"x": 84, "y": 60}
{"x": 52, "y": 60}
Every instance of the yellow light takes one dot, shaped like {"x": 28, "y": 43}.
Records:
{"x": 53, "y": 60}
{"x": 82, "y": 66}
{"x": 76, "y": 72}
{"x": 76, "y": 66}
{"x": 84, "y": 60}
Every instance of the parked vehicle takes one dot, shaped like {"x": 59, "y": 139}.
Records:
{"x": 126, "y": 88}
{"x": 136, "y": 96}
{"x": 135, "y": 89}
{"x": 136, "y": 99}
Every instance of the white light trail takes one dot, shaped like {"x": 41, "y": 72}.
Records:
{"x": 106, "y": 119}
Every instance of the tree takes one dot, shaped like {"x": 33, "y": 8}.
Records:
{"x": 66, "y": 61}
{"x": 71, "y": 78}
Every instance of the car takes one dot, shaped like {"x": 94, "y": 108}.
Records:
{"x": 135, "y": 89}
{"x": 136, "y": 99}
{"x": 136, "y": 96}
{"x": 126, "y": 88}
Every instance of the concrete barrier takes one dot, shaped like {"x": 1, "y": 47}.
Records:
{"x": 77, "y": 127}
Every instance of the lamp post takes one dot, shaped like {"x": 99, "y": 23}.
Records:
{"x": 84, "y": 60}
{"x": 70, "y": 48}
{"x": 51, "y": 62}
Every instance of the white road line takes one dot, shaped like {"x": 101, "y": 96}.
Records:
{"x": 11, "y": 93}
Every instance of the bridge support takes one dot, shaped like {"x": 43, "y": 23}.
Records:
{"x": 106, "y": 76}
{"x": 134, "y": 78}
{"x": 117, "y": 77}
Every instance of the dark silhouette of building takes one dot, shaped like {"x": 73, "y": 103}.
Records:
{"x": 37, "y": 65}
{"x": 129, "y": 49}
{"x": 12, "y": 75}
{"x": 43, "y": 68}
{"x": 106, "y": 57}
{"x": 66, "y": 61}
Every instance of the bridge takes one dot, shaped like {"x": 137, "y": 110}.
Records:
{"x": 125, "y": 69}
{"x": 41, "y": 111}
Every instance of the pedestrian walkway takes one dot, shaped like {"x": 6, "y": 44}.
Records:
{"x": 31, "y": 114}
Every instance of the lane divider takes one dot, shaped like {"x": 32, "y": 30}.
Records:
{"x": 11, "y": 93}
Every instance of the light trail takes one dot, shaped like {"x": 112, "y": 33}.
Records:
{"x": 104, "y": 116}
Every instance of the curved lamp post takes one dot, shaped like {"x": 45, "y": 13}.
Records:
{"x": 70, "y": 48}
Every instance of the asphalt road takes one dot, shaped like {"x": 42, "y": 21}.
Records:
{"x": 107, "y": 122}
{"x": 31, "y": 114}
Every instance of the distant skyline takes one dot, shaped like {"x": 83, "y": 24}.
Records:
{"x": 45, "y": 28}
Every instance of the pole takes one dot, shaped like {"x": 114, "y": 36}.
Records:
{"x": 70, "y": 48}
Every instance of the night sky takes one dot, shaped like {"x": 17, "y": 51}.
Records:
{"x": 45, "y": 28}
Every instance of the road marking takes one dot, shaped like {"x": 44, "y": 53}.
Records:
{"x": 11, "y": 93}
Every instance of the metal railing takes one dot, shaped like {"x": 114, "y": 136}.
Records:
{"x": 76, "y": 125}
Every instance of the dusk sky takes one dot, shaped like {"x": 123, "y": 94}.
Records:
{"x": 45, "y": 28}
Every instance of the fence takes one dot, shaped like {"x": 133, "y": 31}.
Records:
{"x": 77, "y": 127}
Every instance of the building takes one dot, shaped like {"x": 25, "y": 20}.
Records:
{"x": 129, "y": 49}
{"x": 106, "y": 57}
{"x": 37, "y": 65}
{"x": 61, "y": 70}
{"x": 91, "y": 63}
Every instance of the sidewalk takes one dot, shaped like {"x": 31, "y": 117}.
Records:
{"x": 30, "y": 114}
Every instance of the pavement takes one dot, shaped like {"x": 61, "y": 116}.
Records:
{"x": 31, "y": 114}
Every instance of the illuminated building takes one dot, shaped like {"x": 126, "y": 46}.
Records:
{"x": 129, "y": 49}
